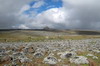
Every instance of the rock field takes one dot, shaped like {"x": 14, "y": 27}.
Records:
{"x": 51, "y": 53}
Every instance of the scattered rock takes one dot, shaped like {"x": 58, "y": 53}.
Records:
{"x": 21, "y": 52}
{"x": 96, "y": 51}
{"x": 65, "y": 55}
{"x": 50, "y": 60}
{"x": 38, "y": 54}
{"x": 95, "y": 57}
{"x": 24, "y": 59}
{"x": 90, "y": 55}
{"x": 79, "y": 60}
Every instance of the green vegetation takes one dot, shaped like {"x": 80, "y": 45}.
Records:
{"x": 31, "y": 36}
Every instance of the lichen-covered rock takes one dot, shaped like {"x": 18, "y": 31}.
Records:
{"x": 17, "y": 54}
{"x": 2, "y": 50}
{"x": 65, "y": 55}
{"x": 96, "y": 51}
{"x": 24, "y": 59}
{"x": 38, "y": 54}
{"x": 90, "y": 55}
{"x": 25, "y": 50}
{"x": 95, "y": 57}
{"x": 79, "y": 60}
{"x": 50, "y": 60}
{"x": 51, "y": 54}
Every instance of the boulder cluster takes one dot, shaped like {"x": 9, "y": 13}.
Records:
{"x": 51, "y": 52}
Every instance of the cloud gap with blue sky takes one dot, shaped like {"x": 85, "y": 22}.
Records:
{"x": 44, "y": 5}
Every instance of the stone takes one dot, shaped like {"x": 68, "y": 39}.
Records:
{"x": 90, "y": 55}
{"x": 96, "y": 51}
{"x": 38, "y": 54}
{"x": 65, "y": 55}
{"x": 24, "y": 59}
{"x": 79, "y": 60}
{"x": 50, "y": 60}
{"x": 17, "y": 54}
{"x": 95, "y": 57}
{"x": 25, "y": 50}
{"x": 51, "y": 54}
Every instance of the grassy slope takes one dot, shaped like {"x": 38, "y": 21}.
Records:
{"x": 31, "y": 35}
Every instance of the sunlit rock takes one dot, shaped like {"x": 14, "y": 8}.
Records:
{"x": 65, "y": 55}
{"x": 38, "y": 54}
{"x": 24, "y": 59}
{"x": 95, "y": 57}
{"x": 50, "y": 60}
{"x": 79, "y": 60}
{"x": 90, "y": 55}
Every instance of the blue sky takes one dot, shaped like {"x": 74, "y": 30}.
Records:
{"x": 48, "y": 4}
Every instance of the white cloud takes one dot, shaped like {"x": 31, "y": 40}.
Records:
{"x": 38, "y": 4}
{"x": 24, "y": 8}
{"x": 54, "y": 15}
{"x": 23, "y": 27}
{"x": 8, "y": 9}
{"x": 52, "y": 18}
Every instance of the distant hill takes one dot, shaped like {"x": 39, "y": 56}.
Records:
{"x": 70, "y": 32}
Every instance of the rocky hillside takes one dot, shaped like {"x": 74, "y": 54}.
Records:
{"x": 52, "y": 53}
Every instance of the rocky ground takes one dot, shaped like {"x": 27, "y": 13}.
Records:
{"x": 85, "y": 52}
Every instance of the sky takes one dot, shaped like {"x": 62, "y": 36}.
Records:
{"x": 58, "y": 14}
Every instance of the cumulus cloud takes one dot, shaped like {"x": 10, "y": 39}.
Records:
{"x": 23, "y": 27}
{"x": 54, "y": 18}
{"x": 86, "y": 12}
{"x": 75, "y": 14}
{"x": 54, "y": 15}
{"x": 8, "y": 9}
